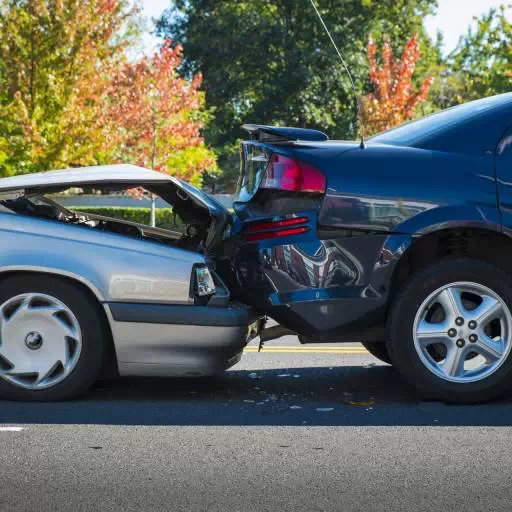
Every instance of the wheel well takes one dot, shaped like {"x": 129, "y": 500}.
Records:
{"x": 110, "y": 363}
{"x": 491, "y": 246}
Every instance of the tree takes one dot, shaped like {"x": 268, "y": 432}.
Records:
{"x": 154, "y": 117}
{"x": 70, "y": 97}
{"x": 482, "y": 63}
{"x": 270, "y": 62}
{"x": 49, "y": 49}
{"x": 393, "y": 99}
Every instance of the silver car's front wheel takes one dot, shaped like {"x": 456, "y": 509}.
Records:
{"x": 463, "y": 332}
{"x": 40, "y": 341}
{"x": 53, "y": 338}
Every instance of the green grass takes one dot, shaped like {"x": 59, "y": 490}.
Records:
{"x": 164, "y": 217}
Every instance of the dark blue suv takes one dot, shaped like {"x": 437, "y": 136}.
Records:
{"x": 403, "y": 243}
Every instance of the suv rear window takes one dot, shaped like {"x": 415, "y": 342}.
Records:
{"x": 254, "y": 159}
{"x": 415, "y": 132}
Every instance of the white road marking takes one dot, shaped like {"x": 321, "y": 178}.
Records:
{"x": 11, "y": 429}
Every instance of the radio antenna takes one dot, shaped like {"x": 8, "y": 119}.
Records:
{"x": 358, "y": 106}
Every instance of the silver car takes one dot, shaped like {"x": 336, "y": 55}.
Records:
{"x": 83, "y": 295}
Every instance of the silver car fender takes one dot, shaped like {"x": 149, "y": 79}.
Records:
{"x": 114, "y": 267}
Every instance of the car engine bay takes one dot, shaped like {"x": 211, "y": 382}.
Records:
{"x": 191, "y": 236}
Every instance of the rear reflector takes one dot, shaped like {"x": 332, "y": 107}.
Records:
{"x": 284, "y": 173}
{"x": 264, "y": 230}
{"x": 276, "y": 234}
{"x": 263, "y": 226}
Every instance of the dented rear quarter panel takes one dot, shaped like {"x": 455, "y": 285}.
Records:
{"x": 379, "y": 199}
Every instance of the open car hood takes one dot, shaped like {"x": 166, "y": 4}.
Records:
{"x": 120, "y": 174}
{"x": 83, "y": 176}
{"x": 189, "y": 203}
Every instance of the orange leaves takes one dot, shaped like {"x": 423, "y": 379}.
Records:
{"x": 58, "y": 58}
{"x": 153, "y": 117}
{"x": 108, "y": 6}
{"x": 393, "y": 100}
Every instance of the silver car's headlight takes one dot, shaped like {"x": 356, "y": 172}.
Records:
{"x": 204, "y": 284}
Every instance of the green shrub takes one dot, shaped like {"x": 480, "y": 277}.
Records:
{"x": 164, "y": 217}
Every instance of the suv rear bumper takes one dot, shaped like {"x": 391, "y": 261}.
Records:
{"x": 313, "y": 286}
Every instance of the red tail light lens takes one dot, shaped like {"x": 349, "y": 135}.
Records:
{"x": 284, "y": 173}
{"x": 281, "y": 228}
{"x": 276, "y": 234}
{"x": 263, "y": 226}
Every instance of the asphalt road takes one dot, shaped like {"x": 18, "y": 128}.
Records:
{"x": 282, "y": 431}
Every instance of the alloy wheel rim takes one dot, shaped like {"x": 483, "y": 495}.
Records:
{"x": 40, "y": 341}
{"x": 462, "y": 332}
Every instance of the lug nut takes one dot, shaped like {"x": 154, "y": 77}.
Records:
{"x": 460, "y": 343}
{"x": 459, "y": 321}
{"x": 452, "y": 333}
{"x": 472, "y": 324}
{"x": 473, "y": 338}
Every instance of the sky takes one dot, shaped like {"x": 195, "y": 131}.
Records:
{"x": 452, "y": 19}
{"x": 454, "y": 16}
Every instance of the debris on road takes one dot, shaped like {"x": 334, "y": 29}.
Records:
{"x": 362, "y": 404}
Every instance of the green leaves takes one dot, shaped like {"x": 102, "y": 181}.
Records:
{"x": 271, "y": 62}
{"x": 482, "y": 62}
{"x": 49, "y": 50}
{"x": 69, "y": 97}
{"x": 154, "y": 117}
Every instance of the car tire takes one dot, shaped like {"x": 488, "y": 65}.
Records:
{"x": 378, "y": 350}
{"x": 53, "y": 338}
{"x": 433, "y": 350}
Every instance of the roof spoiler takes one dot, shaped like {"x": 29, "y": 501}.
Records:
{"x": 265, "y": 133}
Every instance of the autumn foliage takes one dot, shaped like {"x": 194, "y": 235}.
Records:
{"x": 49, "y": 48}
{"x": 394, "y": 99}
{"x": 154, "y": 117}
{"x": 70, "y": 96}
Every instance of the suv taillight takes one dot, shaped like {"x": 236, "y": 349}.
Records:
{"x": 264, "y": 230}
{"x": 284, "y": 173}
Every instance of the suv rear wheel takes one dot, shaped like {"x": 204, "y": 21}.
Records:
{"x": 450, "y": 331}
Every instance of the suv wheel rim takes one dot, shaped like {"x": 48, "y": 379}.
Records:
{"x": 40, "y": 341}
{"x": 462, "y": 332}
